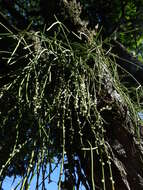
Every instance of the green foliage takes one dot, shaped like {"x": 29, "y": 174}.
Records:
{"x": 119, "y": 19}
{"x": 60, "y": 97}
{"x": 55, "y": 104}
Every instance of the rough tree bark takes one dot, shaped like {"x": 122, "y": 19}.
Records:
{"x": 123, "y": 145}
{"x": 121, "y": 142}
{"x": 123, "y": 149}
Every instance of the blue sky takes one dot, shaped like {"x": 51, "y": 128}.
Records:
{"x": 9, "y": 185}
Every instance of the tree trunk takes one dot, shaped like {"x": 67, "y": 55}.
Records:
{"x": 123, "y": 148}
